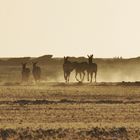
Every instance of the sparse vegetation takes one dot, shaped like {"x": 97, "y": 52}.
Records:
{"x": 69, "y": 111}
{"x": 62, "y": 134}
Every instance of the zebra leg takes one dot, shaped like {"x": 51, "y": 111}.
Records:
{"x": 80, "y": 77}
{"x": 95, "y": 76}
{"x": 68, "y": 77}
{"x": 83, "y": 76}
{"x": 88, "y": 76}
{"x": 76, "y": 76}
{"x": 65, "y": 76}
{"x": 91, "y": 77}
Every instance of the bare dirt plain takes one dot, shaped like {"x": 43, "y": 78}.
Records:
{"x": 69, "y": 111}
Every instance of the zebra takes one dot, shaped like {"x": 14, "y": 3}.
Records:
{"x": 68, "y": 67}
{"x": 25, "y": 73}
{"x": 36, "y": 71}
{"x": 80, "y": 69}
{"x": 92, "y": 68}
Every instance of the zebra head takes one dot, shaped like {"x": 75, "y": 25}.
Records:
{"x": 66, "y": 59}
{"x": 90, "y": 58}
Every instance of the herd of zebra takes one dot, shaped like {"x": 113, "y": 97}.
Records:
{"x": 68, "y": 67}
{"x": 36, "y": 71}
{"x": 80, "y": 68}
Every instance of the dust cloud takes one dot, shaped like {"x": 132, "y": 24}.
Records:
{"x": 109, "y": 70}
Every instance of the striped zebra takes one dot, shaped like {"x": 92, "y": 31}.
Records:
{"x": 25, "y": 73}
{"x": 36, "y": 71}
{"x": 68, "y": 67}
{"x": 80, "y": 68}
{"x": 92, "y": 68}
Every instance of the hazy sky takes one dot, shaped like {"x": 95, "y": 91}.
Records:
{"x": 106, "y": 28}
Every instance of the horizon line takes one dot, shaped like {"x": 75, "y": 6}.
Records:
{"x": 53, "y": 56}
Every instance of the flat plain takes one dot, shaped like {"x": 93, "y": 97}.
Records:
{"x": 69, "y": 111}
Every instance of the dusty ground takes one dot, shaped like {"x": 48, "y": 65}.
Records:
{"x": 74, "y": 111}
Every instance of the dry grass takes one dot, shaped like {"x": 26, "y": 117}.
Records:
{"x": 74, "y": 111}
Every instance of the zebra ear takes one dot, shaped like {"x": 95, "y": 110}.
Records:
{"x": 88, "y": 56}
